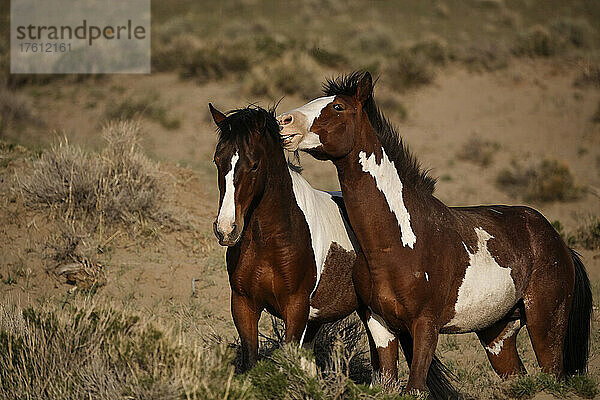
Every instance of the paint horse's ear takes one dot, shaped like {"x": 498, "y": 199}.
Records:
{"x": 217, "y": 115}
{"x": 365, "y": 88}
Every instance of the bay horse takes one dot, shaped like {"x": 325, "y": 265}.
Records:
{"x": 290, "y": 248}
{"x": 426, "y": 268}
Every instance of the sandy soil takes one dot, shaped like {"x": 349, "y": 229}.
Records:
{"x": 531, "y": 109}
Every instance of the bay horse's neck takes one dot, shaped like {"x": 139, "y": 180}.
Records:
{"x": 274, "y": 210}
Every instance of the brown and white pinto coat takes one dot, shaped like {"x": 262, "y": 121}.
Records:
{"x": 426, "y": 268}
{"x": 290, "y": 249}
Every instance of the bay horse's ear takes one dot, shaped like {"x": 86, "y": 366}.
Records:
{"x": 217, "y": 115}
{"x": 365, "y": 88}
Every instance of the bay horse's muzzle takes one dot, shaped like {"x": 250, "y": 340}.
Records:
{"x": 227, "y": 239}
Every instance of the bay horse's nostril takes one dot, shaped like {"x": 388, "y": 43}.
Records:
{"x": 218, "y": 234}
{"x": 286, "y": 119}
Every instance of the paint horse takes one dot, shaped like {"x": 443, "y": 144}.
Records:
{"x": 290, "y": 247}
{"x": 426, "y": 268}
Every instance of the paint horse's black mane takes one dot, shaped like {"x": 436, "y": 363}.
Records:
{"x": 409, "y": 168}
{"x": 241, "y": 123}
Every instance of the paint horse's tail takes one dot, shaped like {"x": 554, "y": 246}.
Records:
{"x": 438, "y": 376}
{"x": 577, "y": 341}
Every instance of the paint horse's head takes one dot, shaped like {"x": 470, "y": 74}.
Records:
{"x": 325, "y": 127}
{"x": 247, "y": 138}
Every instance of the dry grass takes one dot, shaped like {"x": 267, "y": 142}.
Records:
{"x": 550, "y": 180}
{"x": 86, "y": 349}
{"x": 589, "y": 76}
{"x": 119, "y": 185}
{"x": 479, "y": 151}
{"x": 408, "y": 70}
{"x": 559, "y": 36}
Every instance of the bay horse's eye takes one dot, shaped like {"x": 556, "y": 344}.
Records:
{"x": 338, "y": 107}
{"x": 254, "y": 167}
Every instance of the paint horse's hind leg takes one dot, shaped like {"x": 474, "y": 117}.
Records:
{"x": 500, "y": 343}
{"x": 547, "y": 304}
{"x": 246, "y": 318}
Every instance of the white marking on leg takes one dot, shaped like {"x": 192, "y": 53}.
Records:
{"x": 487, "y": 291}
{"x": 511, "y": 328}
{"x": 426, "y": 277}
{"x": 382, "y": 336}
{"x": 312, "y": 111}
{"x": 226, "y": 217}
{"x": 313, "y": 313}
{"x": 496, "y": 211}
{"x": 324, "y": 221}
{"x": 389, "y": 183}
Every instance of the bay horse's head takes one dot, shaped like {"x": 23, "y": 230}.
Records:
{"x": 247, "y": 138}
{"x": 325, "y": 127}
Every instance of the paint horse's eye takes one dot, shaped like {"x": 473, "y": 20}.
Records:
{"x": 254, "y": 166}
{"x": 338, "y": 107}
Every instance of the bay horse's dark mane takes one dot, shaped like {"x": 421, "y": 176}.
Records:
{"x": 241, "y": 123}
{"x": 409, "y": 168}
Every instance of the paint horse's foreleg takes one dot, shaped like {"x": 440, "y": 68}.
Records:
{"x": 295, "y": 317}
{"x": 425, "y": 334}
{"x": 500, "y": 343}
{"x": 245, "y": 317}
{"x": 385, "y": 357}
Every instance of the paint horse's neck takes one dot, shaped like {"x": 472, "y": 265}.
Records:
{"x": 376, "y": 197}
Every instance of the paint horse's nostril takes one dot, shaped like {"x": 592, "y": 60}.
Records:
{"x": 286, "y": 119}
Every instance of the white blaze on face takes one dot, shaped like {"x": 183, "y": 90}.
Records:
{"x": 487, "y": 291}
{"x": 312, "y": 111}
{"x": 226, "y": 217}
{"x": 382, "y": 336}
{"x": 388, "y": 182}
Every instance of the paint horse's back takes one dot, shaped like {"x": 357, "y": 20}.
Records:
{"x": 334, "y": 247}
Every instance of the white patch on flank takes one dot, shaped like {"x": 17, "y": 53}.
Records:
{"x": 380, "y": 331}
{"x": 312, "y": 111}
{"x": 426, "y": 277}
{"x": 388, "y": 182}
{"x": 324, "y": 221}
{"x": 313, "y": 313}
{"x": 510, "y": 330}
{"x": 226, "y": 217}
{"x": 487, "y": 291}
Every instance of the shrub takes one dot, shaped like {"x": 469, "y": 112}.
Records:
{"x": 483, "y": 56}
{"x": 86, "y": 350}
{"x": 15, "y": 109}
{"x": 407, "y": 70}
{"x": 589, "y": 76}
{"x": 293, "y": 74}
{"x": 596, "y": 116}
{"x": 588, "y": 235}
{"x": 478, "y": 151}
{"x": 119, "y": 185}
{"x": 214, "y": 61}
{"x": 327, "y": 58}
{"x": 536, "y": 41}
{"x": 433, "y": 50}
{"x": 148, "y": 105}
{"x": 547, "y": 181}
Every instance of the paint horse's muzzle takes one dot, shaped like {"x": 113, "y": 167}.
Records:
{"x": 291, "y": 128}
{"x": 227, "y": 239}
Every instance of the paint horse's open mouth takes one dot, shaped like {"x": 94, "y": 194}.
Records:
{"x": 287, "y": 138}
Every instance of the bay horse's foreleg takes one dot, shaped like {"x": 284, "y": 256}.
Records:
{"x": 425, "y": 337}
{"x": 295, "y": 317}
{"x": 245, "y": 317}
{"x": 500, "y": 343}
